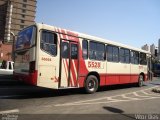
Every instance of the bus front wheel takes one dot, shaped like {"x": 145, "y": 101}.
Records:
{"x": 140, "y": 80}
{"x": 91, "y": 84}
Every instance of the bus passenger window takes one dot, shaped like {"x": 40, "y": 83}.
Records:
{"x": 109, "y": 53}
{"x": 65, "y": 50}
{"x": 74, "y": 51}
{"x": 134, "y": 57}
{"x": 127, "y": 56}
{"x": 53, "y": 49}
{"x": 85, "y": 49}
{"x": 112, "y": 53}
{"x": 46, "y": 47}
{"x": 124, "y": 55}
{"x": 100, "y": 52}
{"x": 49, "y": 42}
{"x": 96, "y": 51}
{"x": 92, "y": 50}
{"x": 143, "y": 60}
{"x": 115, "y": 54}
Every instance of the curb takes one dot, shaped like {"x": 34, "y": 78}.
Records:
{"x": 156, "y": 90}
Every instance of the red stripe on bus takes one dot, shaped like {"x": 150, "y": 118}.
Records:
{"x": 63, "y": 34}
{"x": 67, "y": 65}
{"x": 72, "y": 33}
{"x": 65, "y": 69}
{"x": 73, "y": 72}
{"x": 76, "y": 67}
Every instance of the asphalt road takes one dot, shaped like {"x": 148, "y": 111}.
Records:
{"x": 111, "y": 102}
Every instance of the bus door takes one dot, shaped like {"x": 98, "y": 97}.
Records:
{"x": 69, "y": 64}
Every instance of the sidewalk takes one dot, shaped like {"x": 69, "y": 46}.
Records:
{"x": 156, "y": 81}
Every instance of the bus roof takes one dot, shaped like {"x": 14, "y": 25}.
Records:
{"x": 90, "y": 37}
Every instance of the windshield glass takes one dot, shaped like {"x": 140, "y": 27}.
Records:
{"x": 26, "y": 38}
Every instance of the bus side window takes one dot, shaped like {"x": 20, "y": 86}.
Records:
{"x": 143, "y": 60}
{"x": 112, "y": 53}
{"x": 115, "y": 54}
{"x": 85, "y": 49}
{"x": 124, "y": 55}
{"x": 100, "y": 52}
{"x": 96, "y": 51}
{"x": 74, "y": 51}
{"x": 127, "y": 56}
{"x": 49, "y": 42}
{"x": 65, "y": 49}
{"x": 92, "y": 50}
{"x": 134, "y": 57}
{"x": 109, "y": 53}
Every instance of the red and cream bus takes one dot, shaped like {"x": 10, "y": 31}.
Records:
{"x": 52, "y": 57}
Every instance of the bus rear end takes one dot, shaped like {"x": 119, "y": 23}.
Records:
{"x": 25, "y": 56}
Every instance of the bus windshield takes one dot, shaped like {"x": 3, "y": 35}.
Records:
{"x": 26, "y": 38}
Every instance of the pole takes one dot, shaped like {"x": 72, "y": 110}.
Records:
{"x": 13, "y": 55}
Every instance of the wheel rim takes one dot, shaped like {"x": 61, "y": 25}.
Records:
{"x": 91, "y": 85}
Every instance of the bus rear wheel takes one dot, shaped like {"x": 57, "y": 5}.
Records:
{"x": 91, "y": 84}
{"x": 140, "y": 80}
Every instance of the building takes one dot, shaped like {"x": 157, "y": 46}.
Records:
{"x": 152, "y": 49}
{"x": 14, "y": 16}
{"x": 145, "y": 47}
{"x": 158, "y": 49}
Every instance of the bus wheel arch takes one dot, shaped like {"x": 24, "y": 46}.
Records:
{"x": 92, "y": 82}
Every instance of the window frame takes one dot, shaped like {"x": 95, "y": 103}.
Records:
{"x": 95, "y": 50}
{"x": 23, "y": 11}
{"x": 56, "y": 44}
{"x": 144, "y": 61}
{"x": 104, "y": 51}
{"x": 24, "y": 5}
{"x": 135, "y": 57}
{"x": 71, "y": 55}
{"x": 113, "y": 55}
{"x": 33, "y": 42}
{"x": 85, "y": 56}
{"x": 23, "y": 16}
{"x": 22, "y": 21}
{"x": 125, "y": 55}
{"x": 65, "y": 56}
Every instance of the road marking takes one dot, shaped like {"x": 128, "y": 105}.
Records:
{"x": 9, "y": 111}
{"x": 111, "y": 99}
{"x": 93, "y": 103}
{"x": 135, "y": 93}
{"x": 149, "y": 94}
{"x": 131, "y": 98}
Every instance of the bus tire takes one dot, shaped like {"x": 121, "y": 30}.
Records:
{"x": 91, "y": 84}
{"x": 140, "y": 80}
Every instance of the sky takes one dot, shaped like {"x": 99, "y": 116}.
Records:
{"x": 131, "y": 22}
